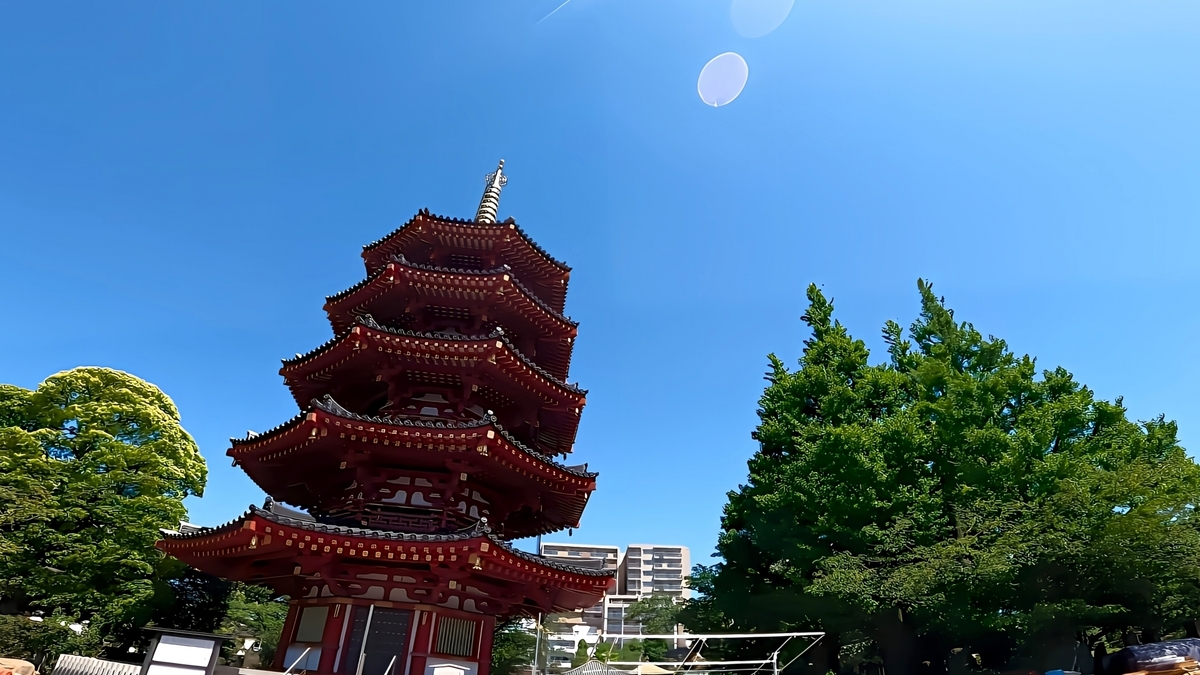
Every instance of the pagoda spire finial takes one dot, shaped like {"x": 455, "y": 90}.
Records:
{"x": 491, "y": 195}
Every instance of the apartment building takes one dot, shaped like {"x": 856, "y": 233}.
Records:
{"x": 564, "y": 642}
{"x": 609, "y": 556}
{"x": 614, "y": 608}
{"x": 587, "y": 555}
{"x": 644, "y": 569}
{"x": 648, "y": 569}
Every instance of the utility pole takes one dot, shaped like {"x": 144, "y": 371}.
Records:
{"x": 537, "y": 627}
{"x": 537, "y": 642}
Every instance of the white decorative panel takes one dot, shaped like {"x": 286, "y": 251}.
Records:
{"x": 160, "y": 669}
{"x": 185, "y": 651}
{"x": 438, "y": 666}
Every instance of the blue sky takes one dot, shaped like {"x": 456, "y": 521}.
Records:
{"x": 181, "y": 184}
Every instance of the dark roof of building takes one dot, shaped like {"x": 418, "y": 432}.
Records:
{"x": 300, "y": 521}
{"x": 332, "y": 407}
{"x": 503, "y": 269}
{"x": 594, "y": 667}
{"x": 473, "y": 223}
{"x": 498, "y": 334}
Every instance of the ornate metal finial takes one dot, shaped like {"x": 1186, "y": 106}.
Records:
{"x": 491, "y": 195}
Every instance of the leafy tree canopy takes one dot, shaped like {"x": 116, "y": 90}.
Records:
{"x": 255, "y": 611}
{"x": 658, "y": 614}
{"x": 951, "y": 496}
{"x": 582, "y": 651}
{"x": 628, "y": 650}
{"x": 92, "y": 464}
{"x": 512, "y": 646}
{"x": 40, "y": 642}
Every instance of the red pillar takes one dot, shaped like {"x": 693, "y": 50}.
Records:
{"x": 424, "y": 636}
{"x": 331, "y": 637}
{"x": 285, "y": 637}
{"x": 487, "y": 629}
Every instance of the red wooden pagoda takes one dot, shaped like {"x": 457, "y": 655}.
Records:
{"x": 426, "y": 441}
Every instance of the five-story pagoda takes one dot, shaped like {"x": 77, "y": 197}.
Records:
{"x": 426, "y": 441}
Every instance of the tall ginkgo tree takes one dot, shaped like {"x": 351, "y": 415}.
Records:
{"x": 92, "y": 464}
{"x": 951, "y": 495}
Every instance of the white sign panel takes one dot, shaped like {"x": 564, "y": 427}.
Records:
{"x": 159, "y": 669}
{"x": 436, "y": 666}
{"x": 185, "y": 651}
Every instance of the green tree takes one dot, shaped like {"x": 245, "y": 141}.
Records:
{"x": 255, "y": 611}
{"x": 41, "y": 641}
{"x": 628, "y": 650}
{"x": 92, "y": 464}
{"x": 581, "y": 654}
{"x": 658, "y": 614}
{"x": 512, "y": 646}
{"x": 631, "y": 650}
{"x": 194, "y": 600}
{"x": 951, "y": 496}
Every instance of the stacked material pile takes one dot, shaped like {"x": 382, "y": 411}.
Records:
{"x": 1171, "y": 657}
{"x": 16, "y": 667}
{"x": 1169, "y": 665}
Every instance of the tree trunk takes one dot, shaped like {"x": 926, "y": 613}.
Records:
{"x": 825, "y": 655}
{"x": 833, "y": 651}
{"x": 897, "y": 643}
{"x": 932, "y": 654}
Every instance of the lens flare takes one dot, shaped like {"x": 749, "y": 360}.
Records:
{"x": 756, "y": 18}
{"x": 722, "y": 79}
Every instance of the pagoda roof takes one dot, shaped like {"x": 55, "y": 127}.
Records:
{"x": 300, "y": 460}
{"x": 453, "y": 287}
{"x": 368, "y": 322}
{"x": 264, "y": 545}
{"x": 331, "y": 406}
{"x": 401, "y": 261}
{"x": 308, "y": 375}
{"x": 522, "y": 252}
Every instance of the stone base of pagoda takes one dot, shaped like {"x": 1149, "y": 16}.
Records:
{"x": 401, "y": 639}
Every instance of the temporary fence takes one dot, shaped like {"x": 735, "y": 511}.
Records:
{"x": 71, "y": 664}
{"x": 694, "y": 660}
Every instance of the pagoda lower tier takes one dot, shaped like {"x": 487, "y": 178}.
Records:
{"x": 428, "y": 602}
{"x": 414, "y": 475}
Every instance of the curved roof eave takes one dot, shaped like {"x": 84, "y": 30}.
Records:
{"x": 328, "y": 405}
{"x": 478, "y": 530}
{"x": 369, "y": 322}
{"x": 503, "y": 269}
{"x": 471, "y": 223}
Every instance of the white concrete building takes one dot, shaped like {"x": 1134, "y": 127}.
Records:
{"x": 563, "y": 645}
{"x": 644, "y": 569}
{"x": 647, "y": 569}
{"x": 599, "y": 557}
{"x": 615, "y": 623}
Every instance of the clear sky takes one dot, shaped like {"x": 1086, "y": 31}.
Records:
{"x": 181, "y": 184}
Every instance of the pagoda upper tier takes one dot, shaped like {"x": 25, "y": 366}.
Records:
{"x": 427, "y": 298}
{"x": 373, "y": 369}
{"x": 474, "y": 245}
{"x": 415, "y": 475}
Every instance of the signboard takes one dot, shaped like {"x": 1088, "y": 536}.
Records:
{"x": 181, "y": 652}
